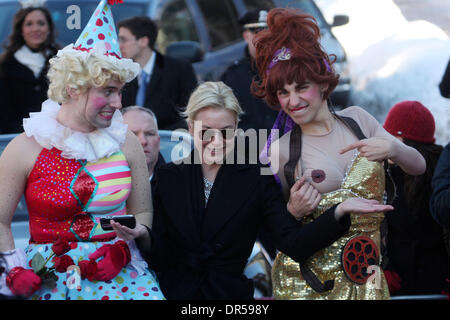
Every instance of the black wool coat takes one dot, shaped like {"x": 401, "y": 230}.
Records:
{"x": 415, "y": 248}
{"x": 200, "y": 253}
{"x": 171, "y": 83}
{"x": 440, "y": 198}
{"x": 21, "y": 93}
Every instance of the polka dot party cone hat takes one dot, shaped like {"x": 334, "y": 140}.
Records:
{"x": 99, "y": 38}
{"x": 100, "y": 31}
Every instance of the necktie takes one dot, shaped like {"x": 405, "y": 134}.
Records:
{"x": 140, "y": 97}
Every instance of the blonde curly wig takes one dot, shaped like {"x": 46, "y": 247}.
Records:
{"x": 81, "y": 73}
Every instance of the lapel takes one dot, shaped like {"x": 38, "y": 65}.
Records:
{"x": 181, "y": 205}
{"x": 155, "y": 77}
{"x": 232, "y": 188}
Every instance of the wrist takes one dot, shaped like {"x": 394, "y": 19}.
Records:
{"x": 146, "y": 241}
{"x": 339, "y": 213}
{"x": 393, "y": 150}
{"x": 292, "y": 212}
{"x": 13, "y": 258}
{"x": 143, "y": 232}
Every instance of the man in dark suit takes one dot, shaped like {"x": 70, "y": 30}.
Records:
{"x": 164, "y": 84}
{"x": 240, "y": 74}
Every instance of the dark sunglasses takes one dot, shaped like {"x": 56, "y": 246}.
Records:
{"x": 255, "y": 30}
{"x": 206, "y": 135}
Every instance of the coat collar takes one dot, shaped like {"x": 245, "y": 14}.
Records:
{"x": 229, "y": 193}
{"x": 232, "y": 188}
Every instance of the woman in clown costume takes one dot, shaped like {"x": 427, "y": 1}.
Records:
{"x": 75, "y": 163}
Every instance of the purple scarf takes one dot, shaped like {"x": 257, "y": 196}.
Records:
{"x": 283, "y": 124}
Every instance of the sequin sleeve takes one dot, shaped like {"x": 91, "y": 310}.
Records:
{"x": 291, "y": 236}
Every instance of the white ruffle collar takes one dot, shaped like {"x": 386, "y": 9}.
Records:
{"x": 92, "y": 146}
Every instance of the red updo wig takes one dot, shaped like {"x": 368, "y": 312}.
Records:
{"x": 290, "y": 28}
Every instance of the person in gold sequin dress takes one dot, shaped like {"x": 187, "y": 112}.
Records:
{"x": 326, "y": 158}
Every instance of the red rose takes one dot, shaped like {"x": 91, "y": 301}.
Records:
{"x": 62, "y": 263}
{"x": 88, "y": 269}
{"x": 61, "y": 246}
{"x": 23, "y": 282}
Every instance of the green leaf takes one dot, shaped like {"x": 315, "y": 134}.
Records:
{"x": 38, "y": 262}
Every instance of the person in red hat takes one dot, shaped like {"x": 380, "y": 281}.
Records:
{"x": 415, "y": 261}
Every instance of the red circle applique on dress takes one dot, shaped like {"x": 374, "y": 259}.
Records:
{"x": 358, "y": 254}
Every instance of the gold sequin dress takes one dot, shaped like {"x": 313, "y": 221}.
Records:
{"x": 364, "y": 179}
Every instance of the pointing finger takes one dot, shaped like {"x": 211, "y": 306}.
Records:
{"x": 351, "y": 147}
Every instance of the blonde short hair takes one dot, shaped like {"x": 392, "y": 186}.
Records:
{"x": 75, "y": 72}
{"x": 212, "y": 94}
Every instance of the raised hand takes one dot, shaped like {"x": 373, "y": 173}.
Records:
{"x": 126, "y": 233}
{"x": 361, "y": 206}
{"x": 374, "y": 149}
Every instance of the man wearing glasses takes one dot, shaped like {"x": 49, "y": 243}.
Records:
{"x": 164, "y": 83}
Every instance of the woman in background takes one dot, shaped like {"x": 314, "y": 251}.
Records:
{"x": 24, "y": 65}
